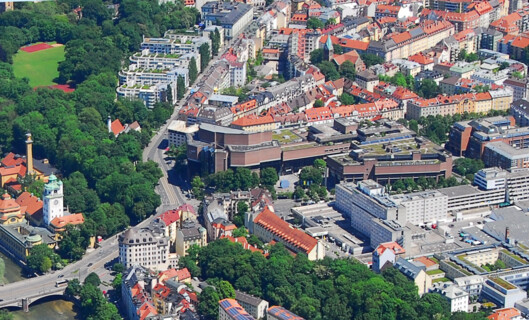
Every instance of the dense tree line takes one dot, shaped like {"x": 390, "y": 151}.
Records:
{"x": 92, "y": 303}
{"x": 328, "y": 289}
{"x": 436, "y": 128}
{"x": 104, "y": 176}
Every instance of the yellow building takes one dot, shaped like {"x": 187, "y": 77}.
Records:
{"x": 16, "y": 235}
{"x": 13, "y": 167}
{"x": 190, "y": 233}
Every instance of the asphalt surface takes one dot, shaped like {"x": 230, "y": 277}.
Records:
{"x": 100, "y": 259}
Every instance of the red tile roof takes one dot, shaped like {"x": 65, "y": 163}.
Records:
{"x": 393, "y": 246}
{"x": 244, "y": 243}
{"x": 253, "y": 120}
{"x": 116, "y": 127}
{"x": 33, "y": 205}
{"x": 281, "y": 229}
{"x": 187, "y": 208}
{"x": 245, "y": 106}
{"x": 426, "y": 261}
{"x": 420, "y": 59}
{"x": 170, "y": 216}
{"x": 73, "y": 219}
{"x": 383, "y": 8}
{"x": 351, "y": 56}
{"x": 12, "y": 160}
{"x": 521, "y": 42}
{"x": 505, "y": 314}
{"x": 146, "y": 310}
{"x": 183, "y": 274}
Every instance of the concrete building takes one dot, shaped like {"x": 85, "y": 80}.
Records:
{"x": 255, "y": 306}
{"x": 500, "y": 154}
{"x": 502, "y": 293}
{"x": 190, "y": 233}
{"x": 470, "y": 137}
{"x": 457, "y": 298}
{"x": 232, "y": 17}
{"x": 520, "y": 112}
{"x": 177, "y": 132}
{"x": 146, "y": 246}
{"x": 520, "y": 87}
{"x": 374, "y": 214}
{"x": 230, "y": 309}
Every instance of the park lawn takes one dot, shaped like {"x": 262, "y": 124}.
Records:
{"x": 39, "y": 67}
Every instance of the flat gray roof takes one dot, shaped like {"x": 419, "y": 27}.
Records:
{"x": 464, "y": 190}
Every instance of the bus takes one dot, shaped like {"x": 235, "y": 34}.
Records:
{"x": 61, "y": 283}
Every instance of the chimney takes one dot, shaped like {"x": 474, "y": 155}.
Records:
{"x": 109, "y": 124}
{"x": 29, "y": 154}
{"x": 507, "y": 234}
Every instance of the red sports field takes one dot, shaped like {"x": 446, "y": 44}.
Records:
{"x": 36, "y": 47}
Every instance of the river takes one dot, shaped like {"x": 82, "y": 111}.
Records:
{"x": 46, "y": 309}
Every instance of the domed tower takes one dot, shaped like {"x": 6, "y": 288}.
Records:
{"x": 10, "y": 211}
{"x": 53, "y": 200}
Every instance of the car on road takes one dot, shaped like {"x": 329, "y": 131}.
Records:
{"x": 90, "y": 264}
{"x": 60, "y": 276}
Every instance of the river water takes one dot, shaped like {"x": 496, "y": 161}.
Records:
{"x": 46, "y": 309}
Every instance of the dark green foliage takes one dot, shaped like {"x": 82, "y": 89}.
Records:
{"x": 193, "y": 71}
{"x": 215, "y": 41}
{"x": 466, "y": 166}
{"x": 428, "y": 89}
{"x": 5, "y": 315}
{"x": 326, "y": 289}
{"x": 180, "y": 87}
{"x": 205, "y": 56}
{"x": 316, "y": 56}
{"x": 348, "y": 70}
{"x": 318, "y": 104}
{"x": 328, "y": 68}
{"x": 347, "y": 99}
{"x": 42, "y": 258}
{"x": 268, "y": 176}
{"x": 315, "y": 23}
{"x": 93, "y": 305}
{"x": 92, "y": 279}
{"x": 209, "y": 303}
{"x": 370, "y": 59}
{"x": 118, "y": 267}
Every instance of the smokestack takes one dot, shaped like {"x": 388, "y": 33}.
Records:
{"x": 507, "y": 234}
{"x": 109, "y": 124}
{"x": 29, "y": 154}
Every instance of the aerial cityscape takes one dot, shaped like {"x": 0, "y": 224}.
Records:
{"x": 264, "y": 159}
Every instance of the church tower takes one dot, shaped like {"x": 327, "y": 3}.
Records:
{"x": 53, "y": 200}
{"x": 328, "y": 50}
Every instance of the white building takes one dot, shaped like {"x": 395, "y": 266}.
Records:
{"x": 53, "y": 196}
{"x": 458, "y": 298}
{"x": 148, "y": 246}
{"x": 178, "y": 131}
{"x": 255, "y": 306}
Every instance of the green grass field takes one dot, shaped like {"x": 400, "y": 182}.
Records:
{"x": 39, "y": 67}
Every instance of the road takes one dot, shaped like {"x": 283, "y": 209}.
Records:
{"x": 97, "y": 260}
{"x": 170, "y": 194}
